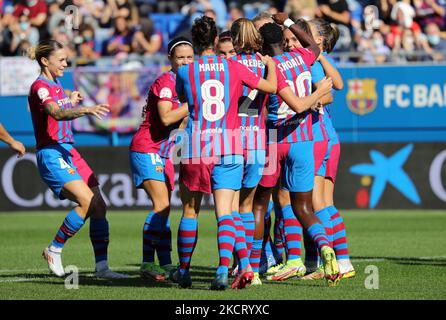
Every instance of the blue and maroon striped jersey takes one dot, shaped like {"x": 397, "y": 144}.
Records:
{"x": 212, "y": 86}
{"x": 47, "y": 130}
{"x": 252, "y": 106}
{"x": 152, "y": 136}
{"x": 292, "y": 127}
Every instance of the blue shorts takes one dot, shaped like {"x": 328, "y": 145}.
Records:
{"x": 298, "y": 171}
{"x": 213, "y": 173}
{"x": 254, "y": 162}
{"x": 151, "y": 166}
{"x": 56, "y": 167}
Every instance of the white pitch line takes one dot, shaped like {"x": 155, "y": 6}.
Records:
{"x": 128, "y": 268}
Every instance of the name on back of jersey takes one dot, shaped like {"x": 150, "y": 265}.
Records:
{"x": 291, "y": 64}
{"x": 207, "y": 67}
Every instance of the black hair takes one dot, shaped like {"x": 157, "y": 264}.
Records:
{"x": 225, "y": 36}
{"x": 271, "y": 33}
{"x": 204, "y": 32}
{"x": 176, "y": 42}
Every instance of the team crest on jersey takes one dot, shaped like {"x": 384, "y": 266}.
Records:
{"x": 159, "y": 169}
{"x": 71, "y": 171}
{"x": 166, "y": 93}
{"x": 362, "y": 96}
{"x": 43, "y": 94}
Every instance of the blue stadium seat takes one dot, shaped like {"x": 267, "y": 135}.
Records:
{"x": 167, "y": 24}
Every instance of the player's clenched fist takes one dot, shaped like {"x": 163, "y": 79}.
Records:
{"x": 280, "y": 17}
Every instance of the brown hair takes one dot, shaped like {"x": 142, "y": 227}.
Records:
{"x": 329, "y": 33}
{"x": 245, "y": 36}
{"x": 43, "y": 50}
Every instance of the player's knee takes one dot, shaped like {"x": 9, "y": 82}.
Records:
{"x": 161, "y": 206}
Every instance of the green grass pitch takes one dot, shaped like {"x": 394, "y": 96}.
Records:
{"x": 407, "y": 247}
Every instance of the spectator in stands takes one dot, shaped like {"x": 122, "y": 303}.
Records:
{"x": 405, "y": 33}
{"x": 121, "y": 40}
{"x": 211, "y": 14}
{"x": 197, "y": 8}
{"x": 374, "y": 49}
{"x": 146, "y": 40}
{"x": 125, "y": 9}
{"x": 436, "y": 42}
{"x": 66, "y": 37}
{"x": 235, "y": 12}
{"x": 430, "y": 11}
{"x": 85, "y": 45}
{"x": 301, "y": 9}
{"x": 23, "y": 34}
{"x": 37, "y": 12}
{"x": 334, "y": 11}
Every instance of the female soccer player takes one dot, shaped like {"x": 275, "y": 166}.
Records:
{"x": 225, "y": 48}
{"x": 150, "y": 159}
{"x": 212, "y": 156}
{"x": 294, "y": 152}
{"x": 325, "y": 35}
{"x": 61, "y": 167}
{"x": 15, "y": 145}
{"x": 247, "y": 40}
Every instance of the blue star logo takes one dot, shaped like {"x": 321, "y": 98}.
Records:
{"x": 388, "y": 170}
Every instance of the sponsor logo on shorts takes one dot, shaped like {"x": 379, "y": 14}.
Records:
{"x": 159, "y": 169}
{"x": 71, "y": 171}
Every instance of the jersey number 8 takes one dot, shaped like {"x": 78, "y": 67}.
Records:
{"x": 212, "y": 93}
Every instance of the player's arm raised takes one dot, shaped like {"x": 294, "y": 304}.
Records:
{"x": 300, "y": 105}
{"x": 52, "y": 109}
{"x": 305, "y": 39}
{"x": 169, "y": 116}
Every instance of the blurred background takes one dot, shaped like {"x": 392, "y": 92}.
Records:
{"x": 390, "y": 116}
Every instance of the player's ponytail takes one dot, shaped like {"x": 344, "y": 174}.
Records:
{"x": 328, "y": 32}
{"x": 333, "y": 38}
{"x": 204, "y": 31}
{"x": 245, "y": 36}
{"x": 31, "y": 53}
{"x": 43, "y": 50}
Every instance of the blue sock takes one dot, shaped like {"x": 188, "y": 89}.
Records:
{"x": 99, "y": 236}
{"x": 150, "y": 238}
{"x": 71, "y": 224}
{"x": 249, "y": 224}
{"x": 186, "y": 241}
{"x": 256, "y": 253}
{"x": 226, "y": 241}
{"x": 317, "y": 233}
{"x": 324, "y": 216}
{"x": 164, "y": 246}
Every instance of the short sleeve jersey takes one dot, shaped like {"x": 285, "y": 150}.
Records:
{"x": 152, "y": 136}
{"x": 291, "y": 127}
{"x": 252, "y": 106}
{"x": 47, "y": 130}
{"x": 212, "y": 86}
